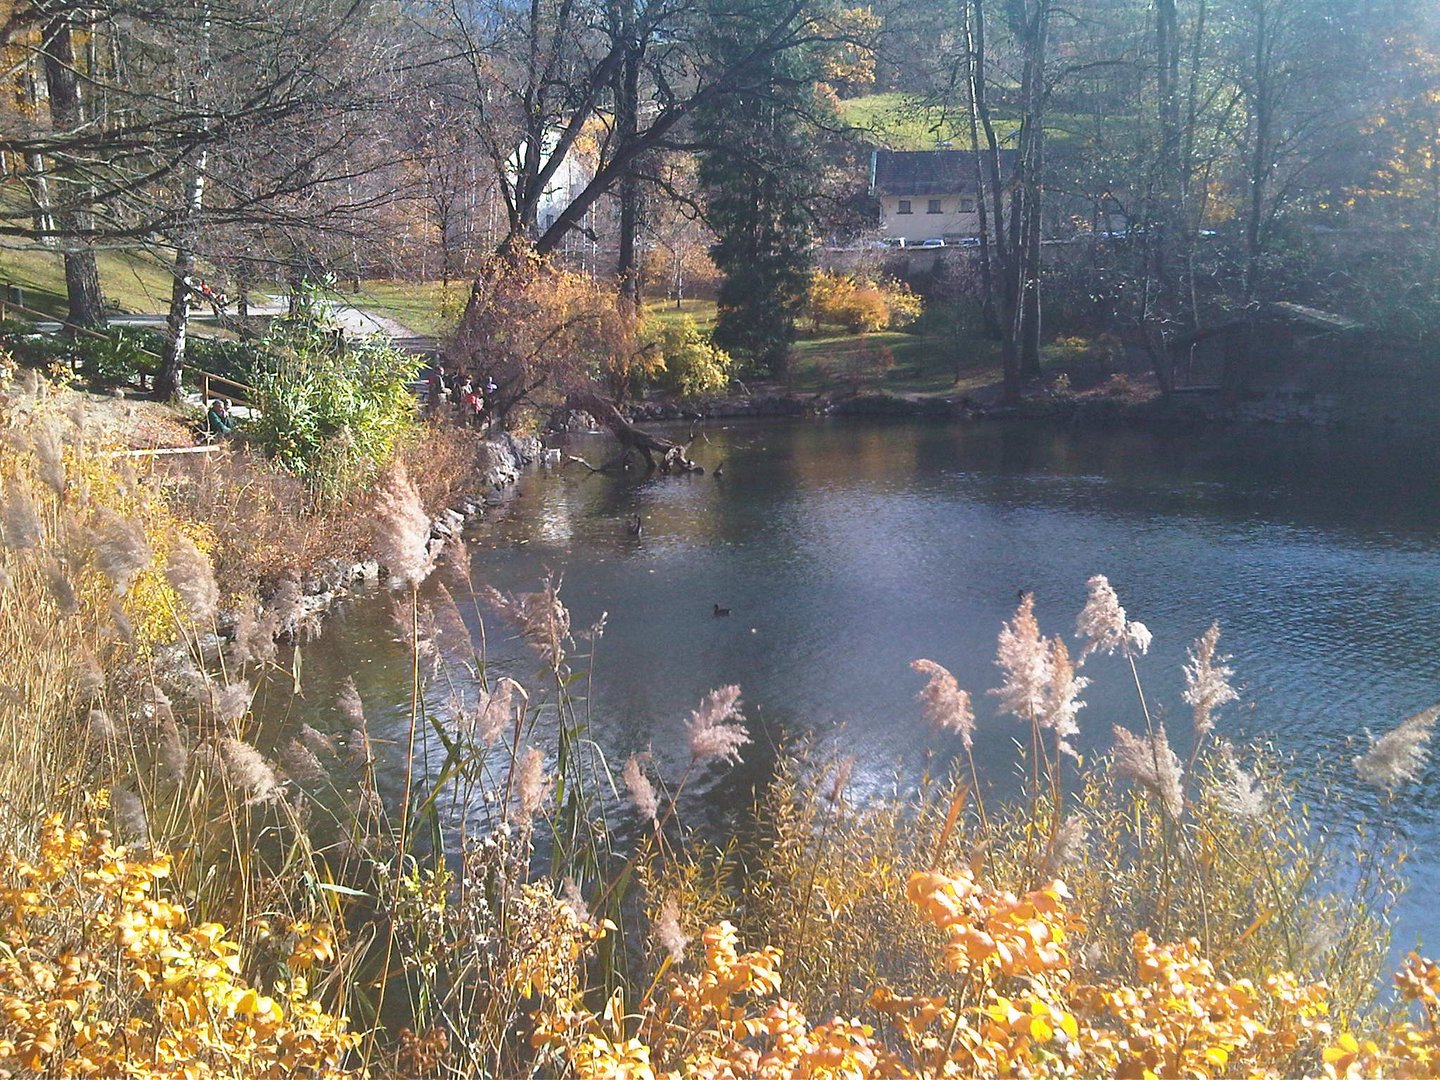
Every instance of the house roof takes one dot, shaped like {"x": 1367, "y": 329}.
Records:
{"x": 928, "y": 172}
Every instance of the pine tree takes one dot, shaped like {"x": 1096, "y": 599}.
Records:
{"x": 757, "y": 178}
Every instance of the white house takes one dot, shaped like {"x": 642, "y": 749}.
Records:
{"x": 930, "y": 194}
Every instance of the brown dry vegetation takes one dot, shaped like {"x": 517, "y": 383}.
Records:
{"x": 266, "y": 524}
{"x": 272, "y": 906}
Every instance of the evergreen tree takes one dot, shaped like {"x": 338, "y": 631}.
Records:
{"x": 757, "y": 178}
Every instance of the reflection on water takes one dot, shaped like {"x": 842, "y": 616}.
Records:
{"x": 845, "y": 549}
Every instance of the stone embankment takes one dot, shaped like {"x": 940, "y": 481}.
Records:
{"x": 784, "y": 404}
{"x": 506, "y": 456}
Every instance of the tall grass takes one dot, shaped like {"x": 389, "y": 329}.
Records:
{"x": 491, "y": 922}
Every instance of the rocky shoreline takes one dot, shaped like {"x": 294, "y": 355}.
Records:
{"x": 337, "y": 579}
{"x": 880, "y": 403}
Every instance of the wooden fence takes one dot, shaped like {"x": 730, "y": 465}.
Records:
{"x": 206, "y": 381}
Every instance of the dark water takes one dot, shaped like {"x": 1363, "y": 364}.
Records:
{"x": 845, "y": 549}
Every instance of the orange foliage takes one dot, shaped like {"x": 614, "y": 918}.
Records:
{"x": 1013, "y": 1009}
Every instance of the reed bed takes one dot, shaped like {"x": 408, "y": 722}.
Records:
{"x": 183, "y": 890}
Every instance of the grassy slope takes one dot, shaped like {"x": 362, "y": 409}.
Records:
{"x": 895, "y": 122}
{"x": 925, "y": 362}
{"x": 137, "y": 282}
{"x": 132, "y": 281}
{"x": 423, "y": 306}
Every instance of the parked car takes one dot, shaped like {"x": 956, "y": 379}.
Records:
{"x": 933, "y": 241}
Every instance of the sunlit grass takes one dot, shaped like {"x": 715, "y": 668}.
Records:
{"x": 427, "y": 307}
{"x": 134, "y": 281}
{"x": 897, "y": 121}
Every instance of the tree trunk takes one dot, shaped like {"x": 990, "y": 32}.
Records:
{"x": 627, "y": 120}
{"x": 62, "y": 82}
{"x": 1033, "y": 28}
{"x": 1259, "y": 163}
{"x": 672, "y": 456}
{"x": 1164, "y": 221}
{"x": 1000, "y": 240}
{"x": 974, "y": 59}
{"x": 177, "y": 322}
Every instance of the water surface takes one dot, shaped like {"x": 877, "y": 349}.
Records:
{"x": 845, "y": 549}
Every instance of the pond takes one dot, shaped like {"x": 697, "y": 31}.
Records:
{"x": 844, "y": 549}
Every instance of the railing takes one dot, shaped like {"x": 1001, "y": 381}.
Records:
{"x": 246, "y": 394}
{"x": 238, "y": 390}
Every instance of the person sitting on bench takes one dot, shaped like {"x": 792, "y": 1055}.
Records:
{"x": 218, "y": 420}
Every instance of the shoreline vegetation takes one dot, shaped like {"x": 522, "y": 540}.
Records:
{"x": 185, "y": 890}
{"x": 1168, "y": 213}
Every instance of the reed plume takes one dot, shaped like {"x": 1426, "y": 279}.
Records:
{"x": 122, "y": 550}
{"x": 642, "y": 792}
{"x": 191, "y": 575}
{"x": 714, "y": 729}
{"x": 531, "y": 782}
{"x": 1207, "y": 680}
{"x": 20, "y": 525}
{"x": 1148, "y": 761}
{"x": 496, "y": 708}
{"x": 1396, "y": 758}
{"x": 300, "y": 763}
{"x": 1239, "y": 792}
{"x": 667, "y": 930}
{"x": 402, "y": 530}
{"x": 1023, "y": 655}
{"x": 250, "y": 772}
{"x": 541, "y": 619}
{"x": 944, "y": 705}
{"x": 1062, "y": 697}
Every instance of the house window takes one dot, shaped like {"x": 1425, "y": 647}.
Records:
{"x": 933, "y": 207}
{"x": 967, "y": 205}
{"x": 904, "y": 207}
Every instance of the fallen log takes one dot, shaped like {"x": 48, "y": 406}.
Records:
{"x": 666, "y": 455}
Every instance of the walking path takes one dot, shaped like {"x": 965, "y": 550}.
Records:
{"x": 353, "y": 321}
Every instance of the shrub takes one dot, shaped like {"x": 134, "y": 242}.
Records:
{"x": 691, "y": 365}
{"x": 118, "y": 358}
{"x": 331, "y": 411}
{"x": 242, "y": 361}
{"x": 861, "y": 305}
{"x": 117, "y": 981}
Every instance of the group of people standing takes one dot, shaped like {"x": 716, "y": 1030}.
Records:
{"x": 471, "y": 398}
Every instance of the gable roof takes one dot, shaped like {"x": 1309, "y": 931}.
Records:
{"x": 929, "y": 172}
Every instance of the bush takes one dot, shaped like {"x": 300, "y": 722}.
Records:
{"x": 243, "y": 361}
{"x": 119, "y": 981}
{"x": 693, "y": 365}
{"x": 331, "y": 411}
{"x": 859, "y": 304}
{"x": 118, "y": 358}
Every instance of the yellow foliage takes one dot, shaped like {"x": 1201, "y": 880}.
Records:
{"x": 103, "y": 974}
{"x": 1012, "y": 1009}
{"x": 860, "y": 305}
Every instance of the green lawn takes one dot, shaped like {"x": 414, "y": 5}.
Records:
{"x": 896, "y": 121}
{"x": 424, "y": 306}
{"x": 132, "y": 281}
{"x": 922, "y": 364}
{"x": 701, "y": 312}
